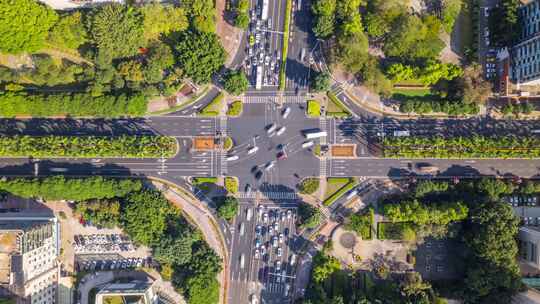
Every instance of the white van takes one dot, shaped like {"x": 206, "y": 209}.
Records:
{"x": 242, "y": 261}
{"x": 308, "y": 144}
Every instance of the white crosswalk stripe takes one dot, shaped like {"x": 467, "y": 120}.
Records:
{"x": 223, "y": 125}
{"x": 322, "y": 125}
{"x": 223, "y": 162}
{"x": 274, "y": 99}
{"x": 322, "y": 167}
{"x": 269, "y": 195}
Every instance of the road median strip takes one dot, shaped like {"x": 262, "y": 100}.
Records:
{"x": 285, "y": 48}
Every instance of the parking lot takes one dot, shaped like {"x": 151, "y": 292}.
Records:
{"x": 262, "y": 261}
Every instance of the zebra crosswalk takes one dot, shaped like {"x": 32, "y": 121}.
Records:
{"x": 223, "y": 125}
{"x": 322, "y": 126}
{"x": 269, "y": 195}
{"x": 274, "y": 99}
{"x": 322, "y": 167}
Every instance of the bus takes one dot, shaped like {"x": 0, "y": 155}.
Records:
{"x": 264, "y": 13}
{"x": 314, "y": 133}
{"x": 259, "y": 80}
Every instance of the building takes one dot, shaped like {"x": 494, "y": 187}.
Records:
{"x": 525, "y": 54}
{"x": 29, "y": 247}
{"x": 135, "y": 292}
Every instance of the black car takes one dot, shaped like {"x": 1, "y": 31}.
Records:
{"x": 258, "y": 175}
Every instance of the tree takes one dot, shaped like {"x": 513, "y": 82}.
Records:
{"x": 131, "y": 70}
{"x": 374, "y": 79}
{"x": 68, "y": 32}
{"x": 421, "y": 214}
{"x": 352, "y": 51}
{"x": 100, "y": 212}
{"x": 174, "y": 250}
{"x": 241, "y": 20}
{"x": 494, "y": 188}
{"x": 320, "y": 82}
{"x": 450, "y": 12}
{"x": 199, "y": 55}
{"x": 324, "y": 11}
{"x": 323, "y": 267}
{"x": 202, "y": 14}
{"x": 24, "y": 25}
{"x": 471, "y": 86}
{"x": 228, "y": 208}
{"x": 236, "y": 82}
{"x": 145, "y": 216}
{"x": 117, "y": 30}
{"x": 309, "y": 217}
{"x": 162, "y": 20}
{"x": 376, "y": 26}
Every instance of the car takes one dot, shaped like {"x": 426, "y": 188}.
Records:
{"x": 248, "y": 189}
{"x": 257, "y": 253}
{"x": 289, "y": 214}
{"x": 265, "y": 217}
{"x": 253, "y": 170}
{"x": 286, "y": 231}
{"x": 270, "y": 229}
{"x": 269, "y": 165}
{"x": 278, "y": 265}
{"x": 271, "y": 128}
{"x": 267, "y": 60}
{"x": 279, "y": 252}
{"x": 258, "y": 175}
{"x": 281, "y": 238}
{"x": 261, "y": 210}
{"x": 293, "y": 259}
{"x": 276, "y": 226}
{"x": 232, "y": 157}
{"x": 285, "y": 113}
{"x": 263, "y": 250}
{"x": 253, "y": 150}
{"x": 281, "y": 131}
{"x": 269, "y": 23}
{"x": 257, "y": 243}
{"x": 281, "y": 155}
{"x": 275, "y": 241}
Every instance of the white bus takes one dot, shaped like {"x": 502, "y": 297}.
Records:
{"x": 315, "y": 133}
{"x": 402, "y": 133}
{"x": 242, "y": 261}
{"x": 259, "y": 80}
{"x": 264, "y": 14}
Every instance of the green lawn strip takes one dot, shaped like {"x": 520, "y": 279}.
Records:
{"x": 391, "y": 231}
{"x": 313, "y": 108}
{"x": 337, "y": 186}
{"x": 204, "y": 183}
{"x": 462, "y": 147}
{"x": 317, "y": 150}
{"x": 285, "y": 49}
{"x": 235, "y": 108}
{"x": 231, "y": 184}
{"x": 87, "y": 146}
{"x": 184, "y": 104}
{"x": 335, "y": 107}
{"x": 213, "y": 108}
{"x": 309, "y": 185}
{"x": 411, "y": 93}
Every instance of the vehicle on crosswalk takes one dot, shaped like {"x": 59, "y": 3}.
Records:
{"x": 286, "y": 112}
{"x": 248, "y": 189}
{"x": 249, "y": 214}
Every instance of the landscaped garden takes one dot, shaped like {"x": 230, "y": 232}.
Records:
{"x": 336, "y": 187}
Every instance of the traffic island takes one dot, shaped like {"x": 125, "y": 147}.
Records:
{"x": 235, "y": 108}
{"x": 204, "y": 143}
{"x": 343, "y": 151}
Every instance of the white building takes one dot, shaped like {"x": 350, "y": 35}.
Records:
{"x": 29, "y": 247}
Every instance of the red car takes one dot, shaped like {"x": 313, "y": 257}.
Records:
{"x": 282, "y": 155}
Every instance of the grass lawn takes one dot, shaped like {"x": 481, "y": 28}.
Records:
{"x": 113, "y": 300}
{"x": 335, "y": 107}
{"x": 231, "y": 184}
{"x": 228, "y": 143}
{"x": 336, "y": 187}
{"x": 206, "y": 184}
{"x": 235, "y": 108}
{"x": 313, "y": 108}
{"x": 392, "y": 231}
{"x": 409, "y": 82}
{"x": 213, "y": 108}
{"x": 412, "y": 93}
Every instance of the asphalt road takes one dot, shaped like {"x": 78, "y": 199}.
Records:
{"x": 258, "y": 275}
{"x": 195, "y": 107}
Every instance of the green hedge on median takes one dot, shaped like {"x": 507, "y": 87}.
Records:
{"x": 313, "y": 108}
{"x": 344, "y": 112}
{"x": 235, "y": 108}
{"x": 212, "y": 109}
{"x": 285, "y": 48}
{"x": 87, "y": 146}
{"x": 462, "y": 147}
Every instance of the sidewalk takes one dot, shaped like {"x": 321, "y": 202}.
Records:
{"x": 201, "y": 217}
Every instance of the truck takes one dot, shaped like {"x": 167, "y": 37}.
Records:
{"x": 259, "y": 79}
{"x": 314, "y": 133}
{"x": 264, "y": 13}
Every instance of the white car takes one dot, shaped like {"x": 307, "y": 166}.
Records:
{"x": 232, "y": 157}
{"x": 253, "y": 150}
{"x": 279, "y": 251}
{"x": 257, "y": 253}
{"x": 286, "y": 112}
{"x": 281, "y": 131}
{"x": 281, "y": 238}
{"x": 269, "y": 165}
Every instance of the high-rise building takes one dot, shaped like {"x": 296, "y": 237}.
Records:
{"x": 29, "y": 247}
{"x": 525, "y": 54}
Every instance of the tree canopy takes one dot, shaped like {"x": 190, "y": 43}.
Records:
{"x": 69, "y": 31}
{"x": 199, "y": 55}
{"x": 236, "y": 82}
{"x": 117, "y": 30}
{"x": 161, "y": 20}
{"x": 228, "y": 207}
{"x": 24, "y": 25}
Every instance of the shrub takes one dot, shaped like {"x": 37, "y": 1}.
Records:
{"x": 392, "y": 231}
{"x": 231, "y": 184}
{"x": 361, "y": 223}
{"x": 308, "y": 216}
{"x": 313, "y": 108}
{"x": 228, "y": 143}
{"x": 309, "y": 185}
{"x": 235, "y": 108}
{"x": 212, "y": 109}
{"x": 227, "y": 208}
{"x": 88, "y": 146}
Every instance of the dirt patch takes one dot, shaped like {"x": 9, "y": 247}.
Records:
{"x": 204, "y": 143}
{"x": 230, "y": 36}
{"x": 347, "y": 240}
{"x": 343, "y": 150}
